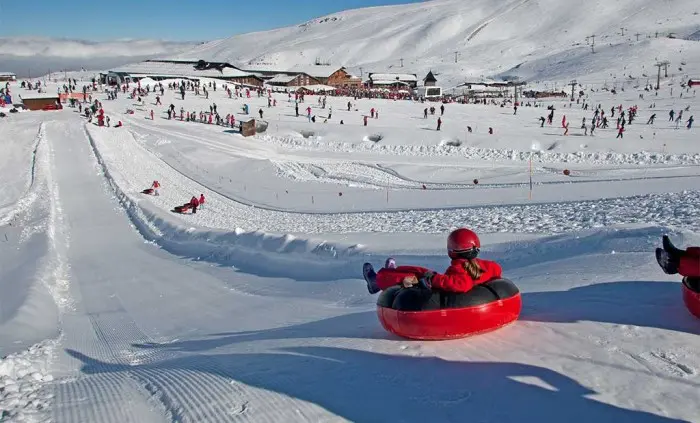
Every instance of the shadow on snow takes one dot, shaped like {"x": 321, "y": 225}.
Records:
{"x": 367, "y": 386}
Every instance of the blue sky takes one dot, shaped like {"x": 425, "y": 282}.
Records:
{"x": 161, "y": 19}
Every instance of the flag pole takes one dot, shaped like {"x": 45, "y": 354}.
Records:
{"x": 530, "y": 195}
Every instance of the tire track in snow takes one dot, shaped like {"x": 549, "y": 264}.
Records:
{"x": 119, "y": 379}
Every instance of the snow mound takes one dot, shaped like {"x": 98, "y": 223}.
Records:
{"x": 22, "y": 377}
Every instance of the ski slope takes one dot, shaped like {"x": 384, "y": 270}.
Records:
{"x": 112, "y": 308}
{"x": 537, "y": 40}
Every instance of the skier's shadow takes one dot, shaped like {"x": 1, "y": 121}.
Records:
{"x": 367, "y": 386}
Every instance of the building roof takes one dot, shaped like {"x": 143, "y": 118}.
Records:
{"x": 38, "y": 96}
{"x": 317, "y": 71}
{"x": 393, "y": 77}
{"x": 430, "y": 77}
{"x": 177, "y": 69}
{"x": 7, "y": 74}
{"x": 282, "y": 79}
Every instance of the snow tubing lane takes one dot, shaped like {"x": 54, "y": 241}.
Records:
{"x": 691, "y": 295}
{"x": 492, "y": 306}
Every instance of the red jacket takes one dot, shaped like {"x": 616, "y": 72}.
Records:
{"x": 201, "y": 199}
{"x": 194, "y": 202}
{"x": 455, "y": 278}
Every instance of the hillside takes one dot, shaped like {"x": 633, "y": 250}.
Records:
{"x": 532, "y": 39}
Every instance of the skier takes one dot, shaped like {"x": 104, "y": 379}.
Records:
{"x": 651, "y": 119}
{"x": 465, "y": 271}
{"x": 690, "y": 122}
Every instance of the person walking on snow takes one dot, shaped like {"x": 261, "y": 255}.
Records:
{"x": 155, "y": 186}
{"x": 690, "y": 122}
{"x": 620, "y": 132}
{"x": 152, "y": 115}
{"x": 651, "y": 119}
{"x": 201, "y": 201}
{"x": 439, "y": 123}
{"x": 194, "y": 203}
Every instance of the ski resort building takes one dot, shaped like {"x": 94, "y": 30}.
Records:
{"x": 334, "y": 76}
{"x": 168, "y": 69}
{"x": 41, "y": 101}
{"x": 488, "y": 88}
{"x": 7, "y": 76}
{"x": 300, "y": 80}
{"x": 429, "y": 80}
{"x": 393, "y": 80}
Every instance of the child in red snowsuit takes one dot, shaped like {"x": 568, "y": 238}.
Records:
{"x": 465, "y": 271}
{"x": 201, "y": 201}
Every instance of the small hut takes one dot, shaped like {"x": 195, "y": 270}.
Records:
{"x": 429, "y": 80}
{"x": 41, "y": 101}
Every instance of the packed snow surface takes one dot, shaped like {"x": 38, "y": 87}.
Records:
{"x": 113, "y": 308}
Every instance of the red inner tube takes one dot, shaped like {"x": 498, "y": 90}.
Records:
{"x": 501, "y": 309}
{"x": 691, "y": 298}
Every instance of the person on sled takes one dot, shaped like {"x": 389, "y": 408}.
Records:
{"x": 686, "y": 262}
{"x": 465, "y": 271}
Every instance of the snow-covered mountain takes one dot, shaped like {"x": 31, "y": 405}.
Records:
{"x": 37, "y": 55}
{"x": 533, "y": 39}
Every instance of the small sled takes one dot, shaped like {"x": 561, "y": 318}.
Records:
{"x": 182, "y": 209}
{"x": 148, "y": 191}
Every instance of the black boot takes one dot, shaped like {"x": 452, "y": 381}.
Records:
{"x": 669, "y": 257}
{"x": 670, "y": 248}
{"x": 668, "y": 263}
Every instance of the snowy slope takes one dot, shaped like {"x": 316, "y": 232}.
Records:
{"x": 254, "y": 309}
{"x": 534, "y": 39}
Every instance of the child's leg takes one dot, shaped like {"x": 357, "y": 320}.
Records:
{"x": 386, "y": 278}
{"x": 370, "y": 277}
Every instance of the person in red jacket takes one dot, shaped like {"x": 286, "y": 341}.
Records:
{"x": 465, "y": 271}
{"x": 194, "y": 203}
{"x": 155, "y": 186}
{"x": 201, "y": 200}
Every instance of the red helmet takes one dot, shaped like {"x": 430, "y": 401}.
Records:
{"x": 463, "y": 243}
